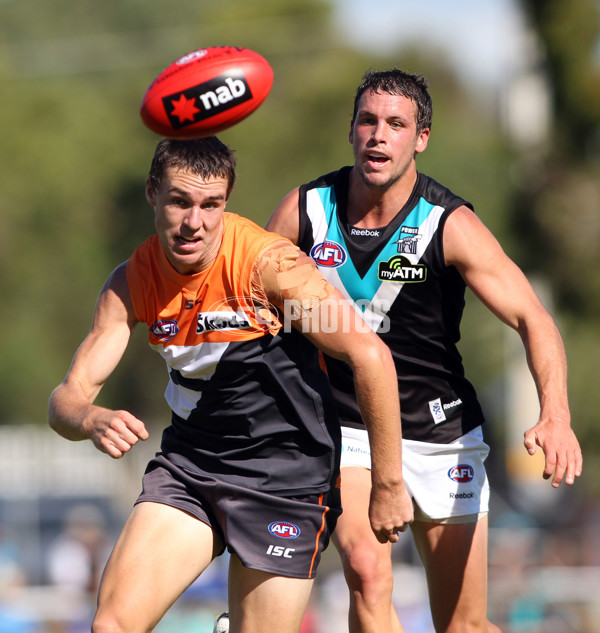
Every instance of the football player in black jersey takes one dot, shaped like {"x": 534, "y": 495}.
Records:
{"x": 404, "y": 248}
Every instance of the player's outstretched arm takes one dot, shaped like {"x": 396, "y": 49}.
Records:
{"x": 71, "y": 412}
{"x": 291, "y": 280}
{"x": 348, "y": 338}
{"x": 504, "y": 289}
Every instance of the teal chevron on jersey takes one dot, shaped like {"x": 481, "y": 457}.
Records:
{"x": 419, "y": 225}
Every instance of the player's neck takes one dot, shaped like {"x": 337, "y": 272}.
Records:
{"x": 373, "y": 208}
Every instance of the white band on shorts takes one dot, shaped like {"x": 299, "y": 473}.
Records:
{"x": 355, "y": 448}
{"x": 447, "y": 482}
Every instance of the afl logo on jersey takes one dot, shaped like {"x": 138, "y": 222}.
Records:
{"x": 165, "y": 329}
{"x": 328, "y": 253}
{"x": 462, "y": 473}
{"x": 283, "y": 529}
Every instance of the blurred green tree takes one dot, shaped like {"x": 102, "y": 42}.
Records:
{"x": 557, "y": 198}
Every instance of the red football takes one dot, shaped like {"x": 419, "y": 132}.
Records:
{"x": 206, "y": 91}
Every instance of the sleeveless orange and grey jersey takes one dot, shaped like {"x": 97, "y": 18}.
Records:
{"x": 248, "y": 406}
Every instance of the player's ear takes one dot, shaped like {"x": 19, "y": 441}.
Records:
{"x": 150, "y": 193}
{"x": 422, "y": 140}
{"x": 351, "y": 133}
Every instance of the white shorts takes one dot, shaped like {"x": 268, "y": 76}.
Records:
{"x": 446, "y": 481}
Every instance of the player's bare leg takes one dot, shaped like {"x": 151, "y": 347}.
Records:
{"x": 367, "y": 563}
{"x": 455, "y": 560}
{"x": 261, "y": 602}
{"x": 159, "y": 553}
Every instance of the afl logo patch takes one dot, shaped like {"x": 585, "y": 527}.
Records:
{"x": 283, "y": 529}
{"x": 328, "y": 253}
{"x": 165, "y": 329}
{"x": 461, "y": 473}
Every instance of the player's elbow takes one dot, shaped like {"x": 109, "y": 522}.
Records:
{"x": 54, "y": 419}
{"x": 372, "y": 353}
{"x": 58, "y": 419}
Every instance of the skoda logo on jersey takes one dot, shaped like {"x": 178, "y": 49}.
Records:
{"x": 283, "y": 529}
{"x": 165, "y": 329}
{"x": 328, "y": 253}
{"x": 462, "y": 473}
{"x": 211, "y": 321}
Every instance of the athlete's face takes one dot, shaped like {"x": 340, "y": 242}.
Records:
{"x": 385, "y": 139}
{"x": 189, "y": 218}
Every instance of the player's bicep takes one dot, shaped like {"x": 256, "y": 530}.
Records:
{"x": 496, "y": 280}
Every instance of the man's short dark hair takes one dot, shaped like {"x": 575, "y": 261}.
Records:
{"x": 205, "y": 157}
{"x": 398, "y": 82}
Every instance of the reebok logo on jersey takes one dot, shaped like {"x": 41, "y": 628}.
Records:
{"x": 211, "y": 321}
{"x": 450, "y": 403}
{"x": 399, "y": 268}
{"x": 365, "y": 232}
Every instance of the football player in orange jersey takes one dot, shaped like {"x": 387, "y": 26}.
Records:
{"x": 250, "y": 461}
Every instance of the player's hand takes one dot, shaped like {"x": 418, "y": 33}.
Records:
{"x": 390, "y": 512}
{"x": 114, "y": 432}
{"x": 563, "y": 458}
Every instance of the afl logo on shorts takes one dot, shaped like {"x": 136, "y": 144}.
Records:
{"x": 328, "y": 253}
{"x": 283, "y": 529}
{"x": 165, "y": 330}
{"x": 461, "y": 473}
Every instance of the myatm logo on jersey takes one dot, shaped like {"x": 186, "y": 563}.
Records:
{"x": 328, "y": 253}
{"x": 283, "y": 529}
{"x": 399, "y": 268}
{"x": 461, "y": 473}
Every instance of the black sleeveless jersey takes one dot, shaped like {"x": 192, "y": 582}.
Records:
{"x": 397, "y": 277}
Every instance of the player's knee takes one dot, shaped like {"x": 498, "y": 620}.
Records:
{"x": 108, "y": 623}
{"x": 368, "y": 570}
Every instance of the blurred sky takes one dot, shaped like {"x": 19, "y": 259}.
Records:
{"x": 485, "y": 39}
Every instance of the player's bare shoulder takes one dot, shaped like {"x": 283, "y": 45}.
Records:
{"x": 114, "y": 302}
{"x": 464, "y": 234}
{"x": 286, "y": 218}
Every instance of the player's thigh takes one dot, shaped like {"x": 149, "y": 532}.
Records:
{"x": 353, "y": 525}
{"x": 259, "y": 601}
{"x": 159, "y": 553}
{"x": 455, "y": 560}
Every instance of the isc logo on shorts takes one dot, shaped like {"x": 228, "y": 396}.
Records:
{"x": 461, "y": 473}
{"x": 277, "y": 550}
{"x": 328, "y": 253}
{"x": 283, "y": 529}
